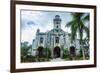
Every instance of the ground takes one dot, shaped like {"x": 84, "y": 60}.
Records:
{"x": 57, "y": 59}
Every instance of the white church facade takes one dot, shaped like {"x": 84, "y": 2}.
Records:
{"x": 56, "y": 40}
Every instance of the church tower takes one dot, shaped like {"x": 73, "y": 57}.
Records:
{"x": 57, "y": 22}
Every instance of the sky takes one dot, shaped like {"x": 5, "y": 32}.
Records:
{"x": 32, "y": 20}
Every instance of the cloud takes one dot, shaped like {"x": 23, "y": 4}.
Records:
{"x": 30, "y": 23}
{"x": 43, "y": 20}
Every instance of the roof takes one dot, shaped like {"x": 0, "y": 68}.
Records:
{"x": 41, "y": 33}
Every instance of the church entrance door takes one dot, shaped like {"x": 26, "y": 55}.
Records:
{"x": 40, "y": 52}
{"x": 72, "y": 51}
{"x": 56, "y": 52}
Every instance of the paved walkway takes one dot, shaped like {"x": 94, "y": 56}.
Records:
{"x": 56, "y": 59}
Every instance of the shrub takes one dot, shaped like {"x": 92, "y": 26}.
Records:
{"x": 65, "y": 53}
{"x": 48, "y": 53}
{"x": 80, "y": 53}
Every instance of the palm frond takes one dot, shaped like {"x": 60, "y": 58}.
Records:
{"x": 87, "y": 31}
{"x": 86, "y": 17}
{"x": 69, "y": 24}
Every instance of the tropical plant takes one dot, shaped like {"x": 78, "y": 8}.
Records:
{"x": 77, "y": 25}
{"x": 24, "y": 49}
{"x": 65, "y": 53}
{"x": 48, "y": 53}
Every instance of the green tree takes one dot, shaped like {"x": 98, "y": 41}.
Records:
{"x": 24, "y": 49}
{"x": 77, "y": 25}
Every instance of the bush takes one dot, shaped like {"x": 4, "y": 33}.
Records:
{"x": 28, "y": 59}
{"x": 80, "y": 55}
{"x": 65, "y": 53}
{"x": 47, "y": 52}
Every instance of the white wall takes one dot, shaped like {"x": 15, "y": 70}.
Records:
{"x": 5, "y": 37}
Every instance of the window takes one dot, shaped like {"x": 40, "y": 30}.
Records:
{"x": 57, "y": 22}
{"x": 57, "y": 26}
{"x": 56, "y": 30}
{"x": 41, "y": 40}
{"x": 57, "y": 39}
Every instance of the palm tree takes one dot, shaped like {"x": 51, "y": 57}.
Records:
{"x": 77, "y": 25}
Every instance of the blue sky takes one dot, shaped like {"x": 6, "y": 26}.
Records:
{"x": 43, "y": 20}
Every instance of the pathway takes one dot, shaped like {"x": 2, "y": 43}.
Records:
{"x": 57, "y": 59}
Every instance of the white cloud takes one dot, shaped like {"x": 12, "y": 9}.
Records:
{"x": 42, "y": 20}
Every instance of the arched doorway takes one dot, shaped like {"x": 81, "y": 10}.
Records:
{"x": 40, "y": 51}
{"x": 56, "y": 52}
{"x": 72, "y": 51}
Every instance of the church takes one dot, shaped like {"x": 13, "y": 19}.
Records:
{"x": 56, "y": 40}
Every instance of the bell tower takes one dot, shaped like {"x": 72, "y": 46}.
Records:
{"x": 57, "y": 22}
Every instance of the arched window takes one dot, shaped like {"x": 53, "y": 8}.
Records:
{"x": 41, "y": 40}
{"x": 57, "y": 26}
{"x": 56, "y": 30}
{"x": 57, "y": 40}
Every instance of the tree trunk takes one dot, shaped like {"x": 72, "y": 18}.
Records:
{"x": 83, "y": 52}
{"x": 81, "y": 42}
